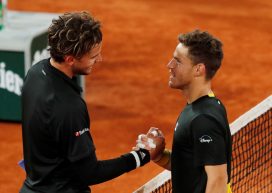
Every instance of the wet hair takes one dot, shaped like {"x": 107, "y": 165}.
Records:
{"x": 74, "y": 33}
{"x": 203, "y": 48}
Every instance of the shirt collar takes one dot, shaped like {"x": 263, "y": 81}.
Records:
{"x": 71, "y": 82}
{"x": 200, "y": 99}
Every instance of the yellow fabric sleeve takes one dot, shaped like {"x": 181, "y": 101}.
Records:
{"x": 228, "y": 188}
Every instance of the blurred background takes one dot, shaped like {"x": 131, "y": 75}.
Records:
{"x": 128, "y": 92}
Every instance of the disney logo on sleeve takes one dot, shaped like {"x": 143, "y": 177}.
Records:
{"x": 205, "y": 139}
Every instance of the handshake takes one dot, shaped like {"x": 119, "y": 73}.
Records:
{"x": 151, "y": 146}
{"x": 153, "y": 141}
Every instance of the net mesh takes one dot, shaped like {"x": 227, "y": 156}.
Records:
{"x": 251, "y": 154}
{"x": 252, "y": 162}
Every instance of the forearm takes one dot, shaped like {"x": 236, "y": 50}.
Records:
{"x": 165, "y": 160}
{"x": 90, "y": 171}
{"x": 216, "y": 179}
{"x": 167, "y": 166}
{"x": 216, "y": 186}
{"x": 110, "y": 169}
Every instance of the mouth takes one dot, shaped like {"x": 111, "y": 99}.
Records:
{"x": 171, "y": 75}
{"x": 171, "y": 80}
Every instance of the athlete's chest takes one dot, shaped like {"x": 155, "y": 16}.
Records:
{"x": 182, "y": 131}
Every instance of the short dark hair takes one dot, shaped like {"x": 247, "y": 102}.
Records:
{"x": 74, "y": 33}
{"x": 203, "y": 48}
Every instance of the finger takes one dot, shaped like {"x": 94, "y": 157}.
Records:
{"x": 141, "y": 145}
{"x": 152, "y": 145}
{"x": 144, "y": 146}
{"x": 149, "y": 140}
{"x": 147, "y": 145}
{"x": 135, "y": 148}
{"x": 142, "y": 137}
{"x": 142, "y": 142}
{"x": 155, "y": 132}
{"x": 160, "y": 134}
{"x": 153, "y": 129}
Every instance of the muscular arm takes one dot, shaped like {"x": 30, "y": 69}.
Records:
{"x": 217, "y": 178}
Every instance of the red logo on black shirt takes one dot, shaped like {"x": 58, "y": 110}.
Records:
{"x": 78, "y": 133}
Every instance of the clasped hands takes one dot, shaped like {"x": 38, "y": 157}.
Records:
{"x": 153, "y": 141}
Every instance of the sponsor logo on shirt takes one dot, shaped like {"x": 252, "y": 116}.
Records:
{"x": 79, "y": 133}
{"x": 205, "y": 139}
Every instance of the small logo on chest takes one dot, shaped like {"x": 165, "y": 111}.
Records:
{"x": 205, "y": 139}
{"x": 79, "y": 133}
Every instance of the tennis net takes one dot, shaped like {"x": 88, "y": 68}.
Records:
{"x": 251, "y": 154}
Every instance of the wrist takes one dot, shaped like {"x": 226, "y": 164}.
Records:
{"x": 138, "y": 158}
{"x": 130, "y": 161}
{"x": 158, "y": 157}
{"x": 164, "y": 158}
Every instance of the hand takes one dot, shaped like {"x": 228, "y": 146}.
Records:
{"x": 153, "y": 141}
{"x": 158, "y": 139}
{"x": 143, "y": 142}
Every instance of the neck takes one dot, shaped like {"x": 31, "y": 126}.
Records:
{"x": 63, "y": 67}
{"x": 194, "y": 92}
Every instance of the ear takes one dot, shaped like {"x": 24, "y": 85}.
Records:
{"x": 200, "y": 70}
{"x": 70, "y": 60}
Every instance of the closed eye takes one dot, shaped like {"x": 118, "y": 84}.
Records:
{"x": 177, "y": 60}
{"x": 95, "y": 56}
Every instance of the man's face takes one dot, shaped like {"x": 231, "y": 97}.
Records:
{"x": 84, "y": 65}
{"x": 180, "y": 69}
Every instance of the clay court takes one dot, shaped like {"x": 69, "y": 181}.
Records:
{"x": 128, "y": 92}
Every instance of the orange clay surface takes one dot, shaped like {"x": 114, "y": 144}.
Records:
{"x": 128, "y": 92}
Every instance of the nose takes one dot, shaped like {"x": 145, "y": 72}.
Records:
{"x": 171, "y": 64}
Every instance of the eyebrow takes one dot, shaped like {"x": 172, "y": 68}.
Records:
{"x": 176, "y": 58}
{"x": 95, "y": 55}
